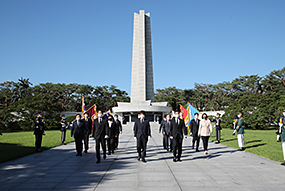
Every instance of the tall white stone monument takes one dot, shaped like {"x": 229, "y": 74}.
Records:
{"x": 142, "y": 88}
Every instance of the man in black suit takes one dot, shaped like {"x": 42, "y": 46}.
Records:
{"x": 141, "y": 133}
{"x": 63, "y": 129}
{"x": 100, "y": 133}
{"x": 166, "y": 132}
{"x": 218, "y": 128}
{"x": 118, "y": 130}
{"x": 77, "y": 131}
{"x": 194, "y": 124}
{"x": 88, "y": 125}
{"x": 176, "y": 133}
{"x": 162, "y": 125}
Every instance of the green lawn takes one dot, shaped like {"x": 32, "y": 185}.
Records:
{"x": 17, "y": 144}
{"x": 260, "y": 142}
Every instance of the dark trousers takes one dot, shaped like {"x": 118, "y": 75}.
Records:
{"x": 141, "y": 146}
{"x": 78, "y": 144}
{"x": 38, "y": 143}
{"x": 196, "y": 139}
{"x": 111, "y": 145}
{"x": 218, "y": 134}
{"x": 166, "y": 142}
{"x": 101, "y": 141}
{"x": 63, "y": 135}
{"x": 205, "y": 142}
{"x": 116, "y": 141}
{"x": 177, "y": 147}
{"x": 86, "y": 142}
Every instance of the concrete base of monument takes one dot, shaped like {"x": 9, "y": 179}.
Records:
{"x": 128, "y": 112}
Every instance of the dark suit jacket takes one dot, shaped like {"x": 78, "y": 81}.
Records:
{"x": 166, "y": 127}
{"x": 118, "y": 127}
{"x": 142, "y": 130}
{"x": 100, "y": 129}
{"x": 88, "y": 125}
{"x": 194, "y": 127}
{"x": 176, "y": 130}
{"x": 78, "y": 130}
{"x": 218, "y": 123}
{"x": 112, "y": 130}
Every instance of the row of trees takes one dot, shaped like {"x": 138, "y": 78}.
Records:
{"x": 259, "y": 98}
{"x": 51, "y": 99}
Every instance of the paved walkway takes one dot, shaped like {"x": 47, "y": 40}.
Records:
{"x": 224, "y": 169}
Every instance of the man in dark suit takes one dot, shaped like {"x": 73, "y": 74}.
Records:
{"x": 88, "y": 125}
{"x": 218, "y": 128}
{"x": 111, "y": 135}
{"x": 141, "y": 133}
{"x": 166, "y": 133}
{"x": 63, "y": 129}
{"x": 100, "y": 133}
{"x": 77, "y": 131}
{"x": 162, "y": 125}
{"x": 194, "y": 124}
{"x": 176, "y": 133}
{"x": 118, "y": 130}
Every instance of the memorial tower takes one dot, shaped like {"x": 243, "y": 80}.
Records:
{"x": 142, "y": 86}
{"x": 142, "y": 70}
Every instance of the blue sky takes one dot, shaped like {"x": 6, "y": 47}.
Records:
{"x": 90, "y": 41}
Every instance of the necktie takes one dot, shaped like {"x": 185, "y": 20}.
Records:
{"x": 99, "y": 120}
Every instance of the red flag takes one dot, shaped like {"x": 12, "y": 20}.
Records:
{"x": 184, "y": 116}
{"x": 92, "y": 112}
{"x": 184, "y": 112}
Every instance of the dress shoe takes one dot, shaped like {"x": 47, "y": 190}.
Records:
{"x": 179, "y": 160}
{"x": 85, "y": 151}
{"x": 193, "y": 147}
{"x": 104, "y": 157}
{"x": 98, "y": 161}
{"x": 167, "y": 150}
{"x": 77, "y": 154}
{"x": 197, "y": 150}
{"x": 112, "y": 152}
{"x": 143, "y": 160}
{"x": 139, "y": 158}
{"x": 283, "y": 163}
{"x": 80, "y": 154}
{"x": 170, "y": 150}
{"x": 217, "y": 142}
{"x": 109, "y": 153}
{"x": 174, "y": 160}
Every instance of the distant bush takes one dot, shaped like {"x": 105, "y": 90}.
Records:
{"x": 70, "y": 118}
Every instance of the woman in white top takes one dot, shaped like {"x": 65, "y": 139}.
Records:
{"x": 205, "y": 130}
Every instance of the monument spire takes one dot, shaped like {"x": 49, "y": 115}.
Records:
{"x": 142, "y": 90}
{"x": 142, "y": 70}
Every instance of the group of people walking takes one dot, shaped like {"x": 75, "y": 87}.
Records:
{"x": 107, "y": 131}
{"x": 104, "y": 131}
{"x": 172, "y": 130}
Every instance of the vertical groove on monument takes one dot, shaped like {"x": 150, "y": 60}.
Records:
{"x": 149, "y": 67}
{"x": 142, "y": 71}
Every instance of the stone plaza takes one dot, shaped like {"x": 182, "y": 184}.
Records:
{"x": 225, "y": 168}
